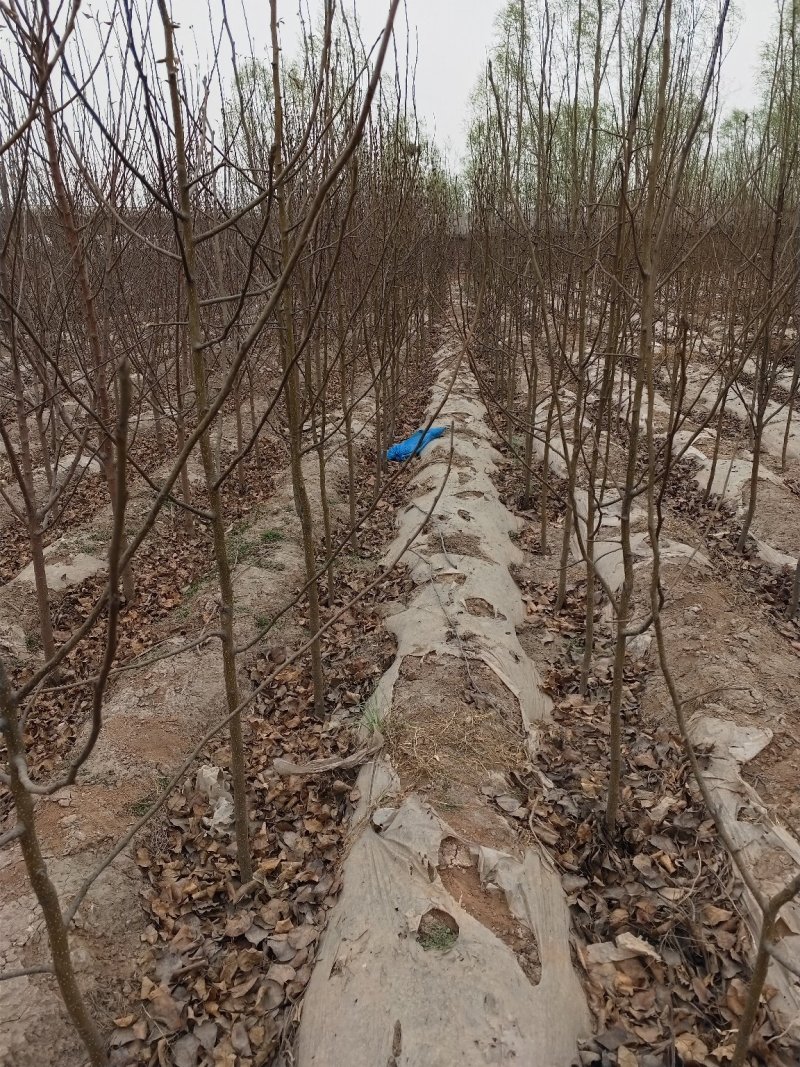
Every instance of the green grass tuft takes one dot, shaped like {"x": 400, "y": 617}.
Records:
{"x": 371, "y": 716}
{"x": 438, "y": 938}
{"x": 271, "y": 537}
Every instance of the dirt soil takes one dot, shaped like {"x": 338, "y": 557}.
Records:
{"x": 489, "y": 907}
{"x": 452, "y": 727}
{"x": 727, "y": 658}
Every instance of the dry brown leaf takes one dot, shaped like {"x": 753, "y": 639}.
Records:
{"x": 649, "y": 1035}
{"x": 249, "y": 958}
{"x": 691, "y": 1049}
{"x": 239, "y": 1038}
{"x": 270, "y": 995}
{"x": 302, "y": 936}
{"x": 714, "y": 915}
{"x": 724, "y": 1052}
{"x": 280, "y": 948}
{"x": 604, "y": 952}
{"x": 224, "y": 1056}
{"x": 239, "y": 924}
{"x": 228, "y": 969}
{"x": 281, "y": 973}
{"x": 242, "y": 988}
{"x": 636, "y": 945}
{"x": 165, "y": 1008}
{"x": 122, "y": 1036}
{"x": 736, "y": 997}
{"x": 186, "y": 1051}
{"x": 206, "y": 1034}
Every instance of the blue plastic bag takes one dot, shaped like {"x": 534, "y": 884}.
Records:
{"x": 413, "y": 446}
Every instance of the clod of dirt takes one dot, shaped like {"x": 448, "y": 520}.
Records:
{"x": 437, "y": 930}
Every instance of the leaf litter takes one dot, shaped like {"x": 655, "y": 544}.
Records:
{"x": 224, "y": 966}
{"x": 661, "y": 935}
{"x": 662, "y": 938}
{"x": 166, "y": 570}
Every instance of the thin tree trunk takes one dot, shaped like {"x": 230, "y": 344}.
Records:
{"x": 302, "y": 504}
{"x": 180, "y": 419}
{"x": 715, "y": 455}
{"x": 225, "y": 582}
{"x": 794, "y": 601}
{"x": 41, "y": 883}
{"x": 27, "y": 485}
{"x": 751, "y": 503}
{"x": 99, "y": 371}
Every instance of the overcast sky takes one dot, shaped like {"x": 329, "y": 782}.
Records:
{"x": 453, "y": 38}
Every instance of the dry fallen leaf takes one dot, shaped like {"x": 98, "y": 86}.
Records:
{"x": 239, "y": 1038}
{"x": 636, "y": 945}
{"x": 238, "y": 924}
{"x": 186, "y": 1051}
{"x": 691, "y": 1049}
{"x": 714, "y": 915}
{"x": 163, "y": 1007}
{"x": 281, "y": 973}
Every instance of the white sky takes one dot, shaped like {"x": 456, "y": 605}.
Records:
{"x": 454, "y": 37}
{"x": 451, "y": 38}
{"x": 755, "y": 20}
